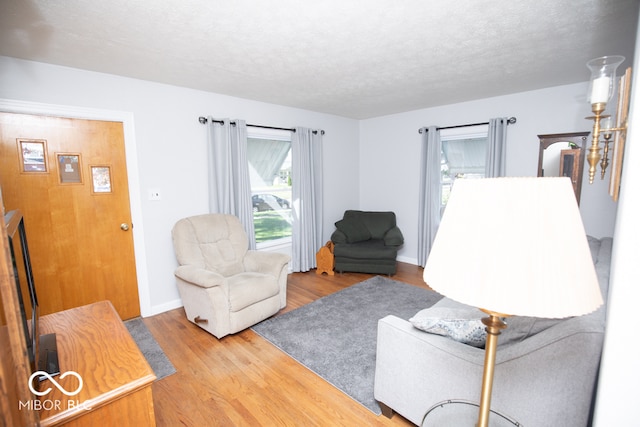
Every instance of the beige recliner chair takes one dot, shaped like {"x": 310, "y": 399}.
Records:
{"x": 225, "y": 287}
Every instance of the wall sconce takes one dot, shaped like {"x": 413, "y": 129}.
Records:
{"x": 601, "y": 89}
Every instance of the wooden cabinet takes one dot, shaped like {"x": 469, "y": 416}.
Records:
{"x": 104, "y": 378}
{"x": 116, "y": 378}
{"x": 570, "y": 165}
{"x": 562, "y": 154}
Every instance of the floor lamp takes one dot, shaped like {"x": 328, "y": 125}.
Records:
{"x": 513, "y": 246}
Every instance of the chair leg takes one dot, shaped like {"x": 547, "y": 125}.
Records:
{"x": 386, "y": 411}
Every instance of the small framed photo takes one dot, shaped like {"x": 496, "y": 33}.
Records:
{"x": 101, "y": 179}
{"x": 69, "y": 168}
{"x": 33, "y": 155}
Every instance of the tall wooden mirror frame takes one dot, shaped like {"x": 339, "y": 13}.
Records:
{"x": 578, "y": 141}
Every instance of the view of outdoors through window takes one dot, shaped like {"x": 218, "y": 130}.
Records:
{"x": 461, "y": 158}
{"x": 270, "y": 175}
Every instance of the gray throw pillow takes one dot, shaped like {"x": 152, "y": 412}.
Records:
{"x": 460, "y": 324}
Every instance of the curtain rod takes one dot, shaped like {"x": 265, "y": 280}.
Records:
{"x": 204, "y": 120}
{"x": 510, "y": 121}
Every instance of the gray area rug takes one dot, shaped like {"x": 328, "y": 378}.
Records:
{"x": 150, "y": 348}
{"x": 335, "y": 336}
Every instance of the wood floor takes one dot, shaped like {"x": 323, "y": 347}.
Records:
{"x": 243, "y": 380}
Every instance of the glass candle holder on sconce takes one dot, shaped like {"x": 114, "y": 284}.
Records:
{"x": 601, "y": 88}
{"x": 603, "y": 76}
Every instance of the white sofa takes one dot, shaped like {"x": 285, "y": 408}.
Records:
{"x": 546, "y": 370}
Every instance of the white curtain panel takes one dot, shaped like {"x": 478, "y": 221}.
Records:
{"x": 495, "y": 164}
{"x": 307, "y": 194}
{"x": 430, "y": 178}
{"x": 430, "y": 192}
{"x": 229, "y": 184}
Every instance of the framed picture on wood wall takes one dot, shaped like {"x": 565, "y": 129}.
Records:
{"x": 69, "y": 168}
{"x": 101, "y": 179}
{"x": 33, "y": 155}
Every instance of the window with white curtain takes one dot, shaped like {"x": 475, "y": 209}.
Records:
{"x": 269, "y": 157}
{"x": 463, "y": 155}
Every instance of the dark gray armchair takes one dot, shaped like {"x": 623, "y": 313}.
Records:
{"x": 366, "y": 242}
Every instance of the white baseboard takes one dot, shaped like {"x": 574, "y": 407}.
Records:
{"x": 408, "y": 260}
{"x": 167, "y": 306}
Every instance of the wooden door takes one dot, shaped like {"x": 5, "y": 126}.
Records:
{"x": 69, "y": 179}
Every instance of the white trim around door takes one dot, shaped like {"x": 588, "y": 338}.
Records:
{"x": 25, "y": 107}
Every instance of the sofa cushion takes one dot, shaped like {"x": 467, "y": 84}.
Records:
{"x": 249, "y": 288}
{"x": 460, "y": 324}
{"x": 378, "y": 223}
{"x": 354, "y": 230}
{"x": 520, "y": 328}
{"x": 366, "y": 250}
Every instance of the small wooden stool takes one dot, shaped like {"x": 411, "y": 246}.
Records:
{"x": 324, "y": 259}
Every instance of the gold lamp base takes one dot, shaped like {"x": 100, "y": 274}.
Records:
{"x": 494, "y": 326}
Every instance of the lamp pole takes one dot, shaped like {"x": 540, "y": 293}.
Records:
{"x": 494, "y": 326}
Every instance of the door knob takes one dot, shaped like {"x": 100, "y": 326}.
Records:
{"x": 124, "y": 226}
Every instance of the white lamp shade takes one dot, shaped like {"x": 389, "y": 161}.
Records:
{"x": 515, "y": 246}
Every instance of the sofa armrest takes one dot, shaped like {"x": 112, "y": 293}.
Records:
{"x": 555, "y": 369}
{"x": 265, "y": 262}
{"x": 412, "y": 365}
{"x": 393, "y": 237}
{"x": 338, "y": 237}
{"x": 199, "y": 276}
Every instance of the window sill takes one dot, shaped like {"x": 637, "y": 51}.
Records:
{"x": 278, "y": 245}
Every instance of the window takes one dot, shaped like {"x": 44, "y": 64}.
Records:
{"x": 463, "y": 156}
{"x": 269, "y": 157}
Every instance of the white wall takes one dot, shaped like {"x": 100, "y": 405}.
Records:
{"x": 171, "y": 150}
{"x": 372, "y": 164}
{"x": 620, "y": 370}
{"x": 390, "y": 152}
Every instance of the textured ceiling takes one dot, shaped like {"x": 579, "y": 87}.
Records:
{"x": 357, "y": 59}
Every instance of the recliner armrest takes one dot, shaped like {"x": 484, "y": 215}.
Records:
{"x": 265, "y": 262}
{"x": 199, "y": 276}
